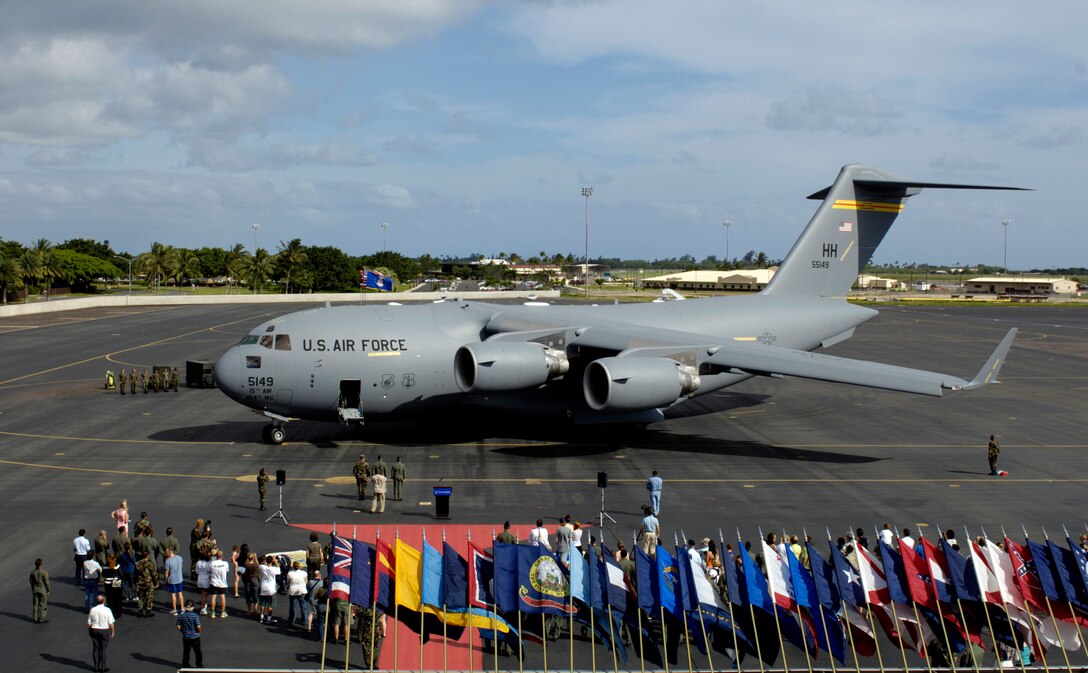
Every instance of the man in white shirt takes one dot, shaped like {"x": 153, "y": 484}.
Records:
{"x": 538, "y": 537}
{"x": 81, "y": 549}
{"x": 887, "y": 536}
{"x": 204, "y": 583}
{"x": 269, "y": 570}
{"x": 296, "y": 593}
{"x": 100, "y": 625}
{"x": 907, "y": 539}
{"x": 217, "y": 570}
{"x": 91, "y": 571}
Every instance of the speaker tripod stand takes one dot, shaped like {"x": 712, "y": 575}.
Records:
{"x": 604, "y": 514}
{"x": 279, "y": 513}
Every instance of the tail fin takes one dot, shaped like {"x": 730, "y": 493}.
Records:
{"x": 857, "y": 211}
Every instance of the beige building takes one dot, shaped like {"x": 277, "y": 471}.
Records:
{"x": 869, "y": 282}
{"x": 1020, "y": 284}
{"x": 742, "y": 280}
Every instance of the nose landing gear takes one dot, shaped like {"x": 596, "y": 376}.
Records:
{"x": 276, "y": 432}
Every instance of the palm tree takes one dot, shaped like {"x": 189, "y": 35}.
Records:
{"x": 188, "y": 267}
{"x": 31, "y": 262}
{"x": 259, "y": 268}
{"x": 11, "y": 275}
{"x": 234, "y": 265}
{"x": 159, "y": 263}
{"x": 291, "y": 254}
{"x": 48, "y": 263}
{"x": 761, "y": 260}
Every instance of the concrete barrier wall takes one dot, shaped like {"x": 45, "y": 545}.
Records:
{"x": 112, "y": 301}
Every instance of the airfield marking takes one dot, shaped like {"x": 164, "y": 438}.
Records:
{"x": 112, "y": 441}
{"x": 109, "y": 356}
{"x": 746, "y": 483}
{"x": 58, "y": 383}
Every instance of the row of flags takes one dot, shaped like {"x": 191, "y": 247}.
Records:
{"x": 917, "y": 593}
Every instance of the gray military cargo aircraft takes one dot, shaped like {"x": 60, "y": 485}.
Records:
{"x": 616, "y": 364}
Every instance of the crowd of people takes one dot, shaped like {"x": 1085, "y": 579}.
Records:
{"x": 159, "y": 379}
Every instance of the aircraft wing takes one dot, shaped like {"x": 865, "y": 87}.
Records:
{"x": 772, "y": 361}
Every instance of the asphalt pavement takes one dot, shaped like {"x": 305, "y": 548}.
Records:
{"x": 769, "y": 454}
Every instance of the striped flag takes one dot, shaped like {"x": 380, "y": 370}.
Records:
{"x": 340, "y": 581}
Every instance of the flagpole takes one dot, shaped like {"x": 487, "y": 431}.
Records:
{"x": 751, "y": 609}
{"x": 729, "y": 599}
{"x": 706, "y": 641}
{"x": 592, "y": 636}
{"x": 665, "y": 639}
{"x": 396, "y": 606}
{"x": 374, "y": 600}
{"x": 641, "y": 652}
{"x": 544, "y": 639}
{"x": 842, "y": 602}
{"x": 687, "y": 639}
{"x": 868, "y": 607}
{"x": 1080, "y": 636}
{"x": 347, "y": 627}
{"x": 804, "y": 641}
{"x": 328, "y": 601}
{"x": 570, "y": 603}
{"x": 820, "y": 609}
{"x": 1053, "y": 620}
{"x": 895, "y": 613}
{"x": 1031, "y": 617}
{"x": 937, "y": 602}
{"x": 521, "y": 650}
{"x": 982, "y": 595}
{"x": 612, "y": 634}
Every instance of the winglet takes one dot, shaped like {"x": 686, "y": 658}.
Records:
{"x": 990, "y": 370}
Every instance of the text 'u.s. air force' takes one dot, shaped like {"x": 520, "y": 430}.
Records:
{"x": 355, "y": 345}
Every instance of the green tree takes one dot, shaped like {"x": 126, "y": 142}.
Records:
{"x": 213, "y": 261}
{"x": 31, "y": 263}
{"x": 234, "y": 264}
{"x": 188, "y": 266}
{"x": 88, "y": 246}
{"x": 761, "y": 260}
{"x": 48, "y": 262}
{"x": 79, "y": 270}
{"x": 290, "y": 256}
{"x": 331, "y": 270}
{"x": 259, "y": 268}
{"x": 11, "y": 275}
{"x": 159, "y": 263}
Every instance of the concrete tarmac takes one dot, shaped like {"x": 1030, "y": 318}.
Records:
{"x": 774, "y": 454}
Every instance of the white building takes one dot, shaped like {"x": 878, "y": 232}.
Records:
{"x": 1020, "y": 284}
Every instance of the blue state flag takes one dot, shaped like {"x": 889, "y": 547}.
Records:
{"x": 543, "y": 584}
{"x": 964, "y": 584}
{"x": 895, "y": 573}
{"x": 649, "y": 593}
{"x": 848, "y": 579}
{"x": 598, "y": 582}
{"x": 431, "y": 581}
{"x": 1065, "y": 565}
{"x": 454, "y": 578}
{"x": 579, "y": 576}
{"x": 362, "y": 573}
{"x": 668, "y": 582}
{"x": 755, "y": 583}
{"x": 1044, "y": 568}
{"x": 733, "y": 585}
{"x": 616, "y": 583}
{"x": 823, "y": 579}
{"x": 506, "y": 577}
{"x": 375, "y": 280}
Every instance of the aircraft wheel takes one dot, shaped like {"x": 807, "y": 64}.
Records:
{"x": 276, "y": 434}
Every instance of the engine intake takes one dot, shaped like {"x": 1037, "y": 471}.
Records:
{"x": 503, "y": 366}
{"x": 626, "y": 384}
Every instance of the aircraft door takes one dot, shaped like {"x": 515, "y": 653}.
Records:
{"x": 351, "y": 400}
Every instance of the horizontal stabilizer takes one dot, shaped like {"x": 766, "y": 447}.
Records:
{"x": 772, "y": 361}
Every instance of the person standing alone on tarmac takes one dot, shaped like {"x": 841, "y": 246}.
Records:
{"x": 397, "y": 473}
{"x": 262, "y": 486}
{"x": 40, "y": 588}
{"x": 993, "y": 450}
{"x": 653, "y": 485}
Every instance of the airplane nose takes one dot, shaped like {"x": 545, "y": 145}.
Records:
{"x": 228, "y": 372}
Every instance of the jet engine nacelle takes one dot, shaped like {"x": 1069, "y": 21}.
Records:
{"x": 503, "y": 366}
{"x": 625, "y": 384}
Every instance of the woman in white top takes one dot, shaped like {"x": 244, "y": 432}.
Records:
{"x": 538, "y": 537}
{"x": 576, "y": 536}
{"x": 270, "y": 570}
{"x": 203, "y": 582}
{"x": 296, "y": 593}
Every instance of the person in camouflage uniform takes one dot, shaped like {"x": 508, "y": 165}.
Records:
{"x": 175, "y": 378}
{"x": 147, "y": 580}
{"x": 362, "y": 474}
{"x": 132, "y": 381}
{"x": 370, "y": 624}
{"x": 122, "y": 379}
{"x": 262, "y": 486}
{"x": 143, "y": 380}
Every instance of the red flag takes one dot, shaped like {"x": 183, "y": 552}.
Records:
{"x": 918, "y": 577}
{"x": 385, "y": 575}
{"x": 940, "y": 582}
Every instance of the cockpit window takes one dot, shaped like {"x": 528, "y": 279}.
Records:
{"x": 248, "y": 339}
{"x": 283, "y": 342}
{"x": 266, "y": 341}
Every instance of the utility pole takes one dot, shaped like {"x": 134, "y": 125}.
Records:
{"x": 587, "y": 192}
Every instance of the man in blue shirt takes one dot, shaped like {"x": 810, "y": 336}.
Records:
{"x": 173, "y": 571}
{"x": 653, "y": 485}
{"x": 189, "y": 625}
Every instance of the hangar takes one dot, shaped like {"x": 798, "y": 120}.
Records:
{"x": 744, "y": 280}
{"x": 1020, "y": 284}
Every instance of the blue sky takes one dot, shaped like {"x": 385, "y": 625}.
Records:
{"x": 471, "y": 127}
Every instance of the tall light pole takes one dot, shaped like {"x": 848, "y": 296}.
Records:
{"x": 727, "y": 224}
{"x": 129, "y": 272}
{"x": 255, "y": 228}
{"x": 1005, "y": 224}
{"x": 385, "y": 225}
{"x": 587, "y": 192}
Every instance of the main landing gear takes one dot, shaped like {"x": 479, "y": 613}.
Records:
{"x": 273, "y": 434}
{"x": 276, "y": 432}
